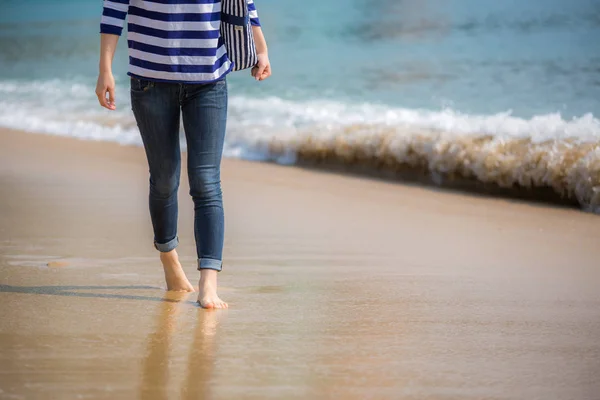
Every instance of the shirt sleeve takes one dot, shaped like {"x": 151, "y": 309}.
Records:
{"x": 253, "y": 13}
{"x": 113, "y": 16}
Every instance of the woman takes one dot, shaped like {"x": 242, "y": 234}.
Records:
{"x": 178, "y": 63}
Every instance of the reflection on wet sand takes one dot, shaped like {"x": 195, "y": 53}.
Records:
{"x": 201, "y": 356}
{"x": 155, "y": 374}
{"x": 155, "y": 368}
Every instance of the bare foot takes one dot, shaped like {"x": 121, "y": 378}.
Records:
{"x": 174, "y": 275}
{"x": 207, "y": 288}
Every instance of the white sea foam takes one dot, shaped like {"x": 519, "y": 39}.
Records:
{"x": 543, "y": 151}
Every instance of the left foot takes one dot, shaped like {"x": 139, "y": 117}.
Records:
{"x": 207, "y": 290}
{"x": 174, "y": 275}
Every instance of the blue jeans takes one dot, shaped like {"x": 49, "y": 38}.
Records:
{"x": 158, "y": 108}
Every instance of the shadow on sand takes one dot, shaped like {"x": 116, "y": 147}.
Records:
{"x": 74, "y": 291}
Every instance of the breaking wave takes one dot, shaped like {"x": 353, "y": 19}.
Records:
{"x": 544, "y": 152}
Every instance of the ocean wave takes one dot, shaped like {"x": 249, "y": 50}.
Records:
{"x": 545, "y": 151}
{"x": 570, "y": 167}
{"x": 47, "y": 87}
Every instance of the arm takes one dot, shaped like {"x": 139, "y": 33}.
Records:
{"x": 111, "y": 27}
{"x": 259, "y": 40}
{"x": 263, "y": 69}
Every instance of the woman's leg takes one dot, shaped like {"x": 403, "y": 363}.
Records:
{"x": 204, "y": 110}
{"x": 157, "y": 112}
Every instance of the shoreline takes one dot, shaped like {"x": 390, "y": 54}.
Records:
{"x": 457, "y": 184}
{"x": 402, "y": 174}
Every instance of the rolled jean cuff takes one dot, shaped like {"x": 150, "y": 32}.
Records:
{"x": 167, "y": 247}
{"x": 210, "y": 263}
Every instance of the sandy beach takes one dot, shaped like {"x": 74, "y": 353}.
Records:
{"x": 339, "y": 287}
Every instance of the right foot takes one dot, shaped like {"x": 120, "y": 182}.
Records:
{"x": 207, "y": 290}
{"x": 174, "y": 275}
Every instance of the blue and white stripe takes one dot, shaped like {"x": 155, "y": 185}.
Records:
{"x": 172, "y": 40}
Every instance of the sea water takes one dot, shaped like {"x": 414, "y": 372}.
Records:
{"x": 506, "y": 92}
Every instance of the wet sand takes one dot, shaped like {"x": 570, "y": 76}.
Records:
{"x": 339, "y": 287}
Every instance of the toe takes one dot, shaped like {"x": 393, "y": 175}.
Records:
{"x": 208, "y": 304}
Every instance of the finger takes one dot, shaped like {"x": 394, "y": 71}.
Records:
{"x": 261, "y": 69}
{"x": 102, "y": 99}
{"x": 266, "y": 73}
{"x": 111, "y": 98}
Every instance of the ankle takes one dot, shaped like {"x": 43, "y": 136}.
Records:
{"x": 208, "y": 276}
{"x": 169, "y": 256}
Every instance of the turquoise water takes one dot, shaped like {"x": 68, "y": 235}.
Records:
{"x": 505, "y": 68}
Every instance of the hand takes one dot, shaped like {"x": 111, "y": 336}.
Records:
{"x": 262, "y": 70}
{"x": 106, "y": 84}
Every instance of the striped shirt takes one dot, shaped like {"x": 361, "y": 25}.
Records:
{"x": 172, "y": 40}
